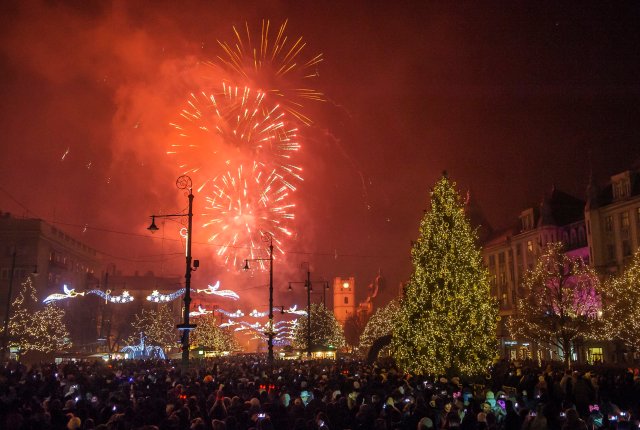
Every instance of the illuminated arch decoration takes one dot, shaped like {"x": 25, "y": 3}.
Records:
{"x": 68, "y": 294}
{"x": 214, "y": 289}
{"x": 236, "y": 314}
{"x": 142, "y": 351}
{"x": 199, "y": 312}
{"x": 294, "y": 310}
{"x": 255, "y": 314}
{"x": 158, "y": 297}
{"x": 125, "y": 297}
{"x": 229, "y": 324}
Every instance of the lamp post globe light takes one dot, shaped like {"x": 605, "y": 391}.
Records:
{"x": 183, "y": 183}
{"x": 267, "y": 237}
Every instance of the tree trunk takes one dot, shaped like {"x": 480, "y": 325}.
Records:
{"x": 566, "y": 350}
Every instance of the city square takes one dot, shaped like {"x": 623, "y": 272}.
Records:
{"x": 296, "y": 215}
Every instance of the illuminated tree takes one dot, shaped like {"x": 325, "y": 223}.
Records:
{"x": 561, "y": 302}
{"x": 31, "y": 330}
{"x": 325, "y": 329}
{"x": 158, "y": 328}
{"x": 52, "y": 330}
{"x": 447, "y": 317}
{"x": 621, "y": 304}
{"x": 210, "y": 336}
{"x": 380, "y": 324}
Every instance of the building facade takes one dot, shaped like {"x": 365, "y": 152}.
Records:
{"x": 508, "y": 254}
{"x": 612, "y": 216}
{"x": 31, "y": 245}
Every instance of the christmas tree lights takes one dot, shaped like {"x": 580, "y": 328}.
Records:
{"x": 621, "y": 304}
{"x": 157, "y": 327}
{"x": 380, "y": 324}
{"x": 43, "y": 330}
{"x": 561, "y": 302}
{"x": 209, "y": 335}
{"x": 325, "y": 329}
{"x": 447, "y": 318}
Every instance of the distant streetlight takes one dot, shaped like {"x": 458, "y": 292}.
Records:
{"x": 183, "y": 183}
{"x": 267, "y": 237}
{"x": 309, "y": 288}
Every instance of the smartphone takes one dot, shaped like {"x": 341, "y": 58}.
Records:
{"x": 563, "y": 415}
{"x": 260, "y": 416}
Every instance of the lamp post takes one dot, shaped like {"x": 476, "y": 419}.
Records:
{"x": 7, "y": 313}
{"x": 183, "y": 183}
{"x": 307, "y": 285}
{"x": 267, "y": 237}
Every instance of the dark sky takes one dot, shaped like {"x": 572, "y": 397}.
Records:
{"x": 510, "y": 99}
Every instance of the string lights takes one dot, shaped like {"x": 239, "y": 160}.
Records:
{"x": 447, "y": 317}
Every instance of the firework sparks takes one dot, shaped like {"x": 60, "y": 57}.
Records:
{"x": 214, "y": 129}
{"x": 277, "y": 64}
{"x": 246, "y": 204}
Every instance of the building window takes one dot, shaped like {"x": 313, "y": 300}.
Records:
{"x": 624, "y": 221}
{"x": 626, "y": 248}
{"x": 501, "y": 258}
{"x": 608, "y": 224}
{"x": 492, "y": 260}
{"x": 346, "y": 300}
{"x": 611, "y": 252}
{"x": 581, "y": 236}
{"x": 518, "y": 249}
{"x": 503, "y": 279}
{"x": 530, "y": 245}
{"x": 504, "y": 299}
{"x": 595, "y": 355}
{"x": 514, "y": 299}
{"x": 621, "y": 189}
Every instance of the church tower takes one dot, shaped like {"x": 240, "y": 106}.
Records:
{"x": 344, "y": 298}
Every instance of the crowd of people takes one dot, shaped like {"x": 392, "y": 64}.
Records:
{"x": 246, "y": 392}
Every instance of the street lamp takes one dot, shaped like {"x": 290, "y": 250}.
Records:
{"x": 183, "y": 183}
{"x": 267, "y": 237}
{"x": 307, "y": 285}
{"x": 5, "y": 333}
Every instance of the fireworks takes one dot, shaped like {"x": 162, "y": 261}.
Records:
{"x": 246, "y": 204}
{"x": 277, "y": 64}
{"x": 239, "y": 141}
{"x": 215, "y": 129}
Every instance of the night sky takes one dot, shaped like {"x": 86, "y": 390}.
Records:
{"x": 510, "y": 99}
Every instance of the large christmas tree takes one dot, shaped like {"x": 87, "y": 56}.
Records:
{"x": 447, "y": 318}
